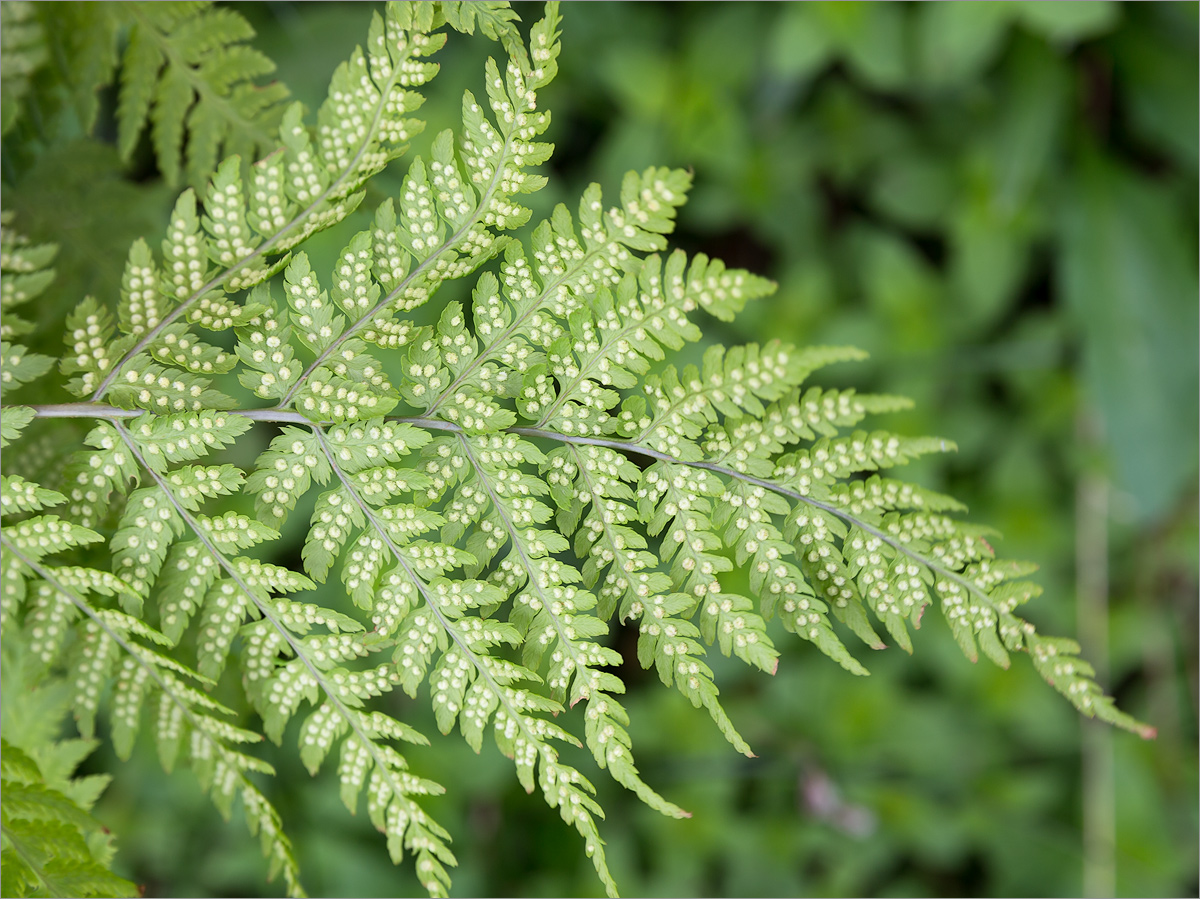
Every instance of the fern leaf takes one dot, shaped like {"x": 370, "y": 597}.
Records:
{"x": 186, "y": 68}
{"x": 23, "y": 51}
{"x": 234, "y": 591}
{"x": 24, "y": 275}
{"x": 437, "y": 625}
{"x": 615, "y": 344}
{"x": 46, "y": 833}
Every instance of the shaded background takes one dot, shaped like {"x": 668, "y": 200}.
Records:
{"x": 998, "y": 202}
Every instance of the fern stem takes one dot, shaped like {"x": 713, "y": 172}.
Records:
{"x": 84, "y": 410}
{"x": 767, "y": 485}
{"x": 547, "y": 602}
{"x": 295, "y": 645}
{"x": 262, "y": 248}
{"x": 475, "y": 364}
{"x": 516, "y": 716}
{"x": 87, "y": 410}
{"x": 114, "y": 413}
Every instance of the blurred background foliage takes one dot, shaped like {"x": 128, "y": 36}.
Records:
{"x": 998, "y": 202}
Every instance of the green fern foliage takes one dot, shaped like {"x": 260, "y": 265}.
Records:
{"x": 53, "y": 846}
{"x": 46, "y": 851}
{"x": 184, "y": 71}
{"x": 490, "y": 490}
{"x": 22, "y": 52}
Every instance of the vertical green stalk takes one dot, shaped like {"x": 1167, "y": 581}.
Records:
{"x": 1091, "y": 578}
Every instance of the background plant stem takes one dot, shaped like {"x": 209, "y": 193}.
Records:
{"x": 1091, "y": 577}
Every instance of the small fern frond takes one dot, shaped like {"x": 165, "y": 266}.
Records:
{"x": 183, "y": 70}
{"x": 23, "y": 52}
{"x": 47, "y": 850}
{"x": 34, "y": 708}
{"x": 25, "y": 274}
{"x": 187, "y": 69}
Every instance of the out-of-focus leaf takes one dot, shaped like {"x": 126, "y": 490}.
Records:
{"x": 306, "y": 47}
{"x": 798, "y": 46}
{"x": 642, "y": 82}
{"x": 993, "y": 229}
{"x": 1068, "y": 22}
{"x": 77, "y": 191}
{"x": 854, "y": 134}
{"x": 916, "y": 189}
{"x": 1156, "y": 75}
{"x": 719, "y": 28}
{"x": 958, "y": 41}
{"x": 1130, "y": 281}
{"x": 1155, "y": 851}
{"x": 902, "y": 290}
{"x": 989, "y": 261}
{"x": 1034, "y": 94}
{"x": 873, "y": 38}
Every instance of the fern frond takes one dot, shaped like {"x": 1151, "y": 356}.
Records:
{"x": 495, "y": 486}
{"x": 47, "y": 850}
{"x": 616, "y": 341}
{"x": 184, "y": 71}
{"x": 228, "y": 590}
{"x": 551, "y": 613}
{"x": 24, "y": 275}
{"x": 14, "y": 420}
{"x": 468, "y": 684}
{"x": 112, "y": 646}
{"x": 23, "y": 52}
{"x": 518, "y": 320}
{"x": 450, "y": 213}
